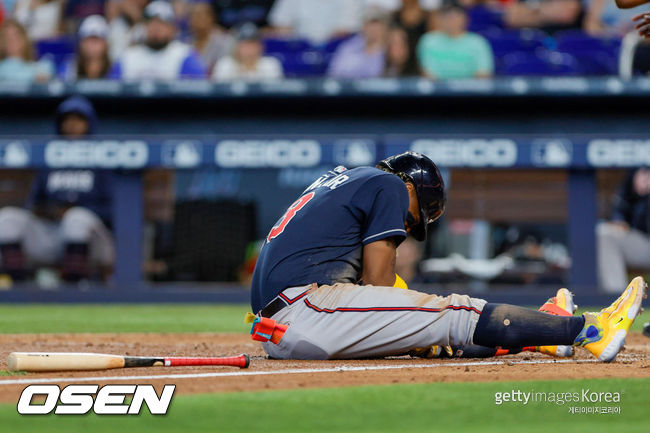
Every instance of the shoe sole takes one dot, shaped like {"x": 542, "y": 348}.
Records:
{"x": 614, "y": 346}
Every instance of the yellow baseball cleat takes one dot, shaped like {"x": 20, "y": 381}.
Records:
{"x": 604, "y": 332}
{"x": 561, "y": 305}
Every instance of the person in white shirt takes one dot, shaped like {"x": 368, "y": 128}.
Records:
{"x": 126, "y": 26}
{"x": 161, "y": 57}
{"x": 247, "y": 62}
{"x": 316, "y": 20}
{"x": 41, "y": 18}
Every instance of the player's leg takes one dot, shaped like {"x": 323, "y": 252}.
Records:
{"x": 603, "y": 333}
{"x": 25, "y": 240}
{"x": 561, "y": 305}
{"x": 347, "y": 321}
{"x": 637, "y": 249}
{"x": 13, "y": 225}
{"x": 612, "y": 270}
{"x": 88, "y": 243}
{"x": 350, "y": 321}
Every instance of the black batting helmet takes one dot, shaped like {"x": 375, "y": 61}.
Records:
{"x": 429, "y": 186}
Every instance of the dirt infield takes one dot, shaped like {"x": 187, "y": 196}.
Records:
{"x": 273, "y": 374}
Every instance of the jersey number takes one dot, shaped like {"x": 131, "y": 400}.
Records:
{"x": 288, "y": 215}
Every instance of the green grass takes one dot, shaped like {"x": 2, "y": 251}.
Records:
{"x": 55, "y": 318}
{"x": 12, "y": 373}
{"x": 447, "y": 407}
{"x": 437, "y": 407}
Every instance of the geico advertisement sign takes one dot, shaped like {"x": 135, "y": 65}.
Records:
{"x": 468, "y": 152}
{"x": 80, "y": 399}
{"x": 618, "y": 153}
{"x": 97, "y": 153}
{"x": 268, "y": 153}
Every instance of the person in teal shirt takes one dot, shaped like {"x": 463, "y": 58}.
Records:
{"x": 17, "y": 54}
{"x": 453, "y": 52}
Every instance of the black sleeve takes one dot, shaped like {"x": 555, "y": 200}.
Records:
{"x": 624, "y": 199}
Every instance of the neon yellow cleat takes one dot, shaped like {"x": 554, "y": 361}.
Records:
{"x": 561, "y": 305}
{"x": 604, "y": 332}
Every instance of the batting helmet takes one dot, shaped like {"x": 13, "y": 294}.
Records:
{"x": 429, "y": 186}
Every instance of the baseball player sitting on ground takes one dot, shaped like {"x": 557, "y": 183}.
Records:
{"x": 323, "y": 286}
{"x": 67, "y": 214}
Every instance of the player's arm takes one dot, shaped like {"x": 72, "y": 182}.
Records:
{"x": 379, "y": 262}
{"x": 627, "y": 4}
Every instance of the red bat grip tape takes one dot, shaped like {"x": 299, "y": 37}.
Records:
{"x": 240, "y": 361}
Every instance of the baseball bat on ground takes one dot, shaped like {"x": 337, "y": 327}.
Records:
{"x": 61, "y": 361}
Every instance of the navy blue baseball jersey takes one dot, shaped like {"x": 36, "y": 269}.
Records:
{"x": 320, "y": 237}
{"x": 65, "y": 188}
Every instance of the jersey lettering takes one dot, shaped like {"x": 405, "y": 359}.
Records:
{"x": 288, "y": 216}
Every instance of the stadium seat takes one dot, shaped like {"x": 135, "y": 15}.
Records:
{"x": 285, "y": 45}
{"x": 299, "y": 57}
{"x": 596, "y": 56}
{"x": 504, "y": 42}
{"x": 333, "y": 44}
{"x": 483, "y": 18}
{"x": 540, "y": 63}
{"x": 56, "y": 50}
{"x": 308, "y": 63}
{"x": 508, "y": 41}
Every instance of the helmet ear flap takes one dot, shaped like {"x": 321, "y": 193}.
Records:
{"x": 419, "y": 231}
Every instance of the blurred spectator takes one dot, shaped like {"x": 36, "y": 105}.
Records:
{"x": 400, "y": 62}
{"x": 8, "y": 6}
{"x": 625, "y": 241}
{"x": 247, "y": 62}
{"x": 413, "y": 18}
{"x": 92, "y": 60}
{"x": 364, "y": 55}
{"x": 69, "y": 211}
{"x": 548, "y": 15}
{"x": 634, "y": 58}
{"x": 126, "y": 26}
{"x": 232, "y": 13}
{"x": 209, "y": 40}
{"x": 642, "y": 24}
{"x": 2, "y": 14}
{"x": 41, "y": 18}
{"x": 394, "y": 5}
{"x": 316, "y": 20}
{"x": 17, "y": 56}
{"x": 77, "y": 10}
{"x": 161, "y": 57}
{"x": 453, "y": 52}
{"x": 603, "y": 18}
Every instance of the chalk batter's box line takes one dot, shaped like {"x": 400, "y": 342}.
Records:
{"x": 289, "y": 371}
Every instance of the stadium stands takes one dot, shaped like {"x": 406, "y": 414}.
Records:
{"x": 527, "y": 51}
